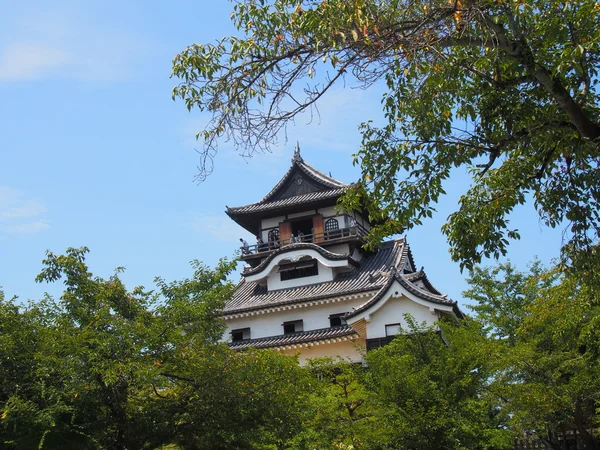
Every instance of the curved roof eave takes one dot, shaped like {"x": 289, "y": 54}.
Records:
{"x": 411, "y": 288}
{"x": 299, "y": 246}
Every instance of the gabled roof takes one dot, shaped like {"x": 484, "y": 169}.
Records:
{"x": 369, "y": 278}
{"x": 302, "y": 187}
{"x": 421, "y": 276}
{"x": 305, "y": 337}
{"x": 299, "y": 167}
{"x": 407, "y": 282}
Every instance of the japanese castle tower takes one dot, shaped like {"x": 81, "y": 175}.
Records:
{"x": 309, "y": 287}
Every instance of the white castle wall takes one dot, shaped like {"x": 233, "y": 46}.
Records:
{"x": 393, "y": 312}
{"x": 314, "y": 318}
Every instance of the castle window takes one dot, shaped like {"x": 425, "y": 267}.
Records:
{"x": 332, "y": 228}
{"x": 336, "y": 320}
{"x": 332, "y": 224}
{"x": 294, "y": 326}
{"x": 376, "y": 343}
{"x": 392, "y": 329}
{"x": 299, "y": 269}
{"x": 240, "y": 334}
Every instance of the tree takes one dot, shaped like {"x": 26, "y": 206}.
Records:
{"x": 105, "y": 367}
{"x": 547, "y": 367}
{"x": 341, "y": 412}
{"x": 436, "y": 388}
{"x": 507, "y": 89}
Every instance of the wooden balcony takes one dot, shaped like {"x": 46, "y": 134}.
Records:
{"x": 257, "y": 252}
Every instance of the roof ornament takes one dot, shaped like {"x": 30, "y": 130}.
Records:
{"x": 297, "y": 157}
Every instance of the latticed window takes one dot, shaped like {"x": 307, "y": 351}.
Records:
{"x": 332, "y": 224}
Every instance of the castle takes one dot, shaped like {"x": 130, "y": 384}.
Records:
{"x": 309, "y": 286}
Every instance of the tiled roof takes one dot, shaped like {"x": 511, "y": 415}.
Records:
{"x": 310, "y": 171}
{"x": 403, "y": 279}
{"x": 251, "y": 296}
{"x": 420, "y": 275}
{"x": 298, "y": 246}
{"x": 264, "y": 205}
{"x": 304, "y": 337}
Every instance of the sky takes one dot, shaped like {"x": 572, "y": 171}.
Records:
{"x": 94, "y": 152}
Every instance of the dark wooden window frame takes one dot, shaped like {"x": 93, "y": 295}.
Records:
{"x": 293, "y": 326}
{"x": 300, "y": 269}
{"x": 336, "y": 320}
{"x": 240, "y": 334}
{"x": 376, "y": 343}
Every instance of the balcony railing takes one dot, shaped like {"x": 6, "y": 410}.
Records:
{"x": 316, "y": 238}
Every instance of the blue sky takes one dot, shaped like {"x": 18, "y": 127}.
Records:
{"x": 94, "y": 152}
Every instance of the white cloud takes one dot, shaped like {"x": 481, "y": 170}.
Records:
{"x": 20, "y": 214}
{"x": 26, "y": 61}
{"x": 333, "y": 125}
{"x": 25, "y": 227}
{"x": 221, "y": 228}
{"x": 27, "y": 209}
{"x": 68, "y": 44}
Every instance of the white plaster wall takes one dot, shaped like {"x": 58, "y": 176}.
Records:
{"x": 274, "y": 279}
{"x": 341, "y": 249}
{"x": 357, "y": 254}
{"x": 314, "y": 318}
{"x": 347, "y": 350}
{"x": 328, "y": 211}
{"x": 393, "y": 312}
{"x": 271, "y": 222}
{"x": 308, "y": 214}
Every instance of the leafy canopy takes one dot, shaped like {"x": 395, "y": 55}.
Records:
{"x": 105, "y": 367}
{"x": 506, "y": 89}
{"x": 544, "y": 327}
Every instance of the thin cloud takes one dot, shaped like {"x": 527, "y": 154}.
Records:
{"x": 333, "y": 124}
{"x": 25, "y": 228}
{"x": 20, "y": 214}
{"x": 30, "y": 208}
{"x": 61, "y": 43}
{"x": 28, "y": 61}
{"x": 221, "y": 228}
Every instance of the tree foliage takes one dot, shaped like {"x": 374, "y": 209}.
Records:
{"x": 545, "y": 326}
{"x": 507, "y": 89}
{"x": 104, "y": 367}
{"x": 435, "y": 387}
{"x": 341, "y": 411}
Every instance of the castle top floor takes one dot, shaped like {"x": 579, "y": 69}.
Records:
{"x": 300, "y": 208}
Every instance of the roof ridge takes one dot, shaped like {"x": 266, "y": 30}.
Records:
{"x": 443, "y": 298}
{"x": 315, "y": 173}
{"x": 421, "y": 274}
{"x": 394, "y": 275}
{"x": 298, "y": 301}
{"x": 298, "y": 161}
